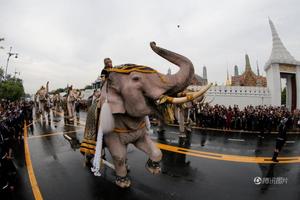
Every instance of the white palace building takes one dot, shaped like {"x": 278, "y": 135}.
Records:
{"x": 281, "y": 64}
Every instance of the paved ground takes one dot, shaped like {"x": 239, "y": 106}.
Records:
{"x": 208, "y": 166}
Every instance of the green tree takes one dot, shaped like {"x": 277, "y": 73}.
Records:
{"x": 11, "y": 89}
{"x": 1, "y": 74}
{"x": 59, "y": 90}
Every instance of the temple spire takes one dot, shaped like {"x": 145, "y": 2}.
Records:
{"x": 204, "y": 72}
{"x": 279, "y": 54}
{"x": 248, "y": 66}
{"x": 236, "y": 70}
{"x": 228, "y": 82}
{"x": 258, "y": 74}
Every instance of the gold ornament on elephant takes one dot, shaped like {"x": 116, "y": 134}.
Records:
{"x": 179, "y": 100}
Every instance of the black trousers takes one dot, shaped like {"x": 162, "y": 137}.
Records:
{"x": 280, "y": 143}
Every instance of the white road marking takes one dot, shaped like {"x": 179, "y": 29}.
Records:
{"x": 68, "y": 137}
{"x": 108, "y": 164}
{"x": 236, "y": 140}
{"x": 290, "y": 142}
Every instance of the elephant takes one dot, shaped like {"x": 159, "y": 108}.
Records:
{"x": 133, "y": 92}
{"x": 69, "y": 102}
{"x": 57, "y": 102}
{"x": 42, "y": 100}
{"x": 183, "y": 114}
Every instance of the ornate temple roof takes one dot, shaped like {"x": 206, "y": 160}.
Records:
{"x": 248, "y": 77}
{"x": 279, "y": 54}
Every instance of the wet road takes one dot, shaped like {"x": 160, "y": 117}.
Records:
{"x": 208, "y": 166}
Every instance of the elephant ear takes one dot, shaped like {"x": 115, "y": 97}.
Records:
{"x": 114, "y": 98}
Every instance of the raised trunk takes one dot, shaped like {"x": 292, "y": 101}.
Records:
{"x": 177, "y": 82}
{"x": 47, "y": 88}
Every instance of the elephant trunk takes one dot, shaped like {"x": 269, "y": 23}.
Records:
{"x": 179, "y": 81}
{"x": 47, "y": 88}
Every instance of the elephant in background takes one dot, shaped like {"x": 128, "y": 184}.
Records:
{"x": 42, "y": 100}
{"x": 183, "y": 114}
{"x": 132, "y": 93}
{"x": 72, "y": 98}
{"x": 57, "y": 102}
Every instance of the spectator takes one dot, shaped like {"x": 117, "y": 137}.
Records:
{"x": 12, "y": 116}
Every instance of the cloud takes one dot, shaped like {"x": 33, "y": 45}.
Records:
{"x": 65, "y": 42}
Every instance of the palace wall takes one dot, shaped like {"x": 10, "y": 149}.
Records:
{"x": 239, "y": 95}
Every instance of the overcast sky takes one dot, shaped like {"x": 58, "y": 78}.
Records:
{"x": 65, "y": 42}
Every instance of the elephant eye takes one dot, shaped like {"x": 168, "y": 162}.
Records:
{"x": 135, "y": 78}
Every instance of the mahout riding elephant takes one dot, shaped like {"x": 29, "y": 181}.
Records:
{"x": 133, "y": 92}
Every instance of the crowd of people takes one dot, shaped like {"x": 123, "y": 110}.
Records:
{"x": 12, "y": 117}
{"x": 250, "y": 118}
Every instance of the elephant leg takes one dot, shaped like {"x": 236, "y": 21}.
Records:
{"x": 40, "y": 106}
{"x": 69, "y": 107}
{"x": 147, "y": 145}
{"x": 49, "y": 115}
{"x": 76, "y": 111}
{"x": 42, "y": 111}
{"x": 118, "y": 151}
{"x": 56, "y": 106}
{"x": 73, "y": 110}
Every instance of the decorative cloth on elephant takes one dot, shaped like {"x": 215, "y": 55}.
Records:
{"x": 127, "y": 124}
{"x": 168, "y": 113}
{"x": 128, "y": 68}
{"x": 88, "y": 145}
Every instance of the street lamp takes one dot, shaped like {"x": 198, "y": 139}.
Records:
{"x": 9, "y": 55}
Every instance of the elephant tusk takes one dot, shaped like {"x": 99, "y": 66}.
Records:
{"x": 189, "y": 97}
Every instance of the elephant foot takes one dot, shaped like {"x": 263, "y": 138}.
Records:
{"x": 153, "y": 167}
{"x": 123, "y": 182}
